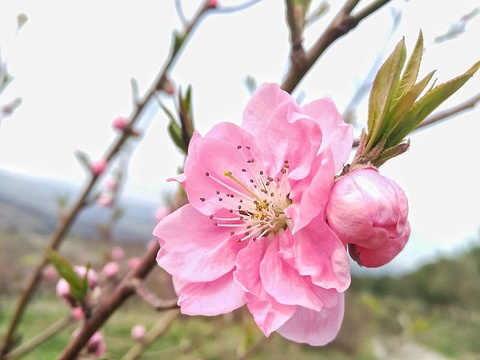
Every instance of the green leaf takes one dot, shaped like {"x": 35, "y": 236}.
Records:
{"x": 429, "y": 102}
{"x": 398, "y": 113}
{"x": 176, "y": 134}
{"x": 178, "y": 40}
{"x": 410, "y": 73}
{"x": 391, "y": 153}
{"x": 82, "y": 158}
{"x": 66, "y": 271}
{"x": 383, "y": 90}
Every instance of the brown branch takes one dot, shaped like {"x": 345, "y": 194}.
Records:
{"x": 70, "y": 217}
{"x": 235, "y": 8}
{"x": 151, "y": 299}
{"x": 297, "y": 52}
{"x": 442, "y": 115}
{"x": 122, "y": 292}
{"x": 341, "y": 24}
{"x": 152, "y": 335}
{"x": 32, "y": 343}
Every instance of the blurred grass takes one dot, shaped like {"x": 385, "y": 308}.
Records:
{"x": 435, "y": 309}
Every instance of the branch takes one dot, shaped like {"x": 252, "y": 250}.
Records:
{"x": 442, "y": 115}
{"x": 152, "y": 335}
{"x": 40, "y": 338}
{"x": 297, "y": 52}
{"x": 235, "y": 8}
{"x": 70, "y": 217}
{"x": 341, "y": 24}
{"x": 152, "y": 299}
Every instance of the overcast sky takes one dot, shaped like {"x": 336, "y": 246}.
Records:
{"x": 73, "y": 61}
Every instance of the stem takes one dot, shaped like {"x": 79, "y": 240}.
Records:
{"x": 152, "y": 335}
{"x": 442, "y": 115}
{"x": 70, "y": 217}
{"x": 341, "y": 24}
{"x": 40, "y": 338}
{"x": 122, "y": 292}
{"x": 152, "y": 299}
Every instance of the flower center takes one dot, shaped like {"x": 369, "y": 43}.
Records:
{"x": 258, "y": 204}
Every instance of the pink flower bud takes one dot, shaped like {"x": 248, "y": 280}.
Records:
{"x": 49, "y": 273}
{"x": 98, "y": 167}
{"x": 92, "y": 277}
{"x": 105, "y": 200}
{"x": 110, "y": 183}
{"x": 138, "y": 332}
{"x": 77, "y": 313}
{"x": 134, "y": 262}
{"x": 369, "y": 212}
{"x": 63, "y": 289}
{"x": 212, "y": 3}
{"x": 120, "y": 123}
{"x": 111, "y": 269}
{"x": 117, "y": 253}
{"x": 168, "y": 87}
{"x": 96, "y": 345}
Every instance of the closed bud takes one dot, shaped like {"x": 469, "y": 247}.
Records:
{"x": 96, "y": 345}
{"x": 98, "y": 167}
{"x": 120, "y": 123}
{"x": 369, "y": 212}
{"x": 138, "y": 332}
{"x": 111, "y": 269}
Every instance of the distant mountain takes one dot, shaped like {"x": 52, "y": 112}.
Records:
{"x": 30, "y": 204}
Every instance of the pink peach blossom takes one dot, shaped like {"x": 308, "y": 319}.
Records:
{"x": 138, "y": 332}
{"x": 111, "y": 269}
{"x": 120, "y": 123}
{"x": 134, "y": 262}
{"x": 98, "y": 167}
{"x": 369, "y": 212}
{"x": 254, "y": 231}
{"x": 77, "y": 313}
{"x": 96, "y": 345}
{"x": 117, "y": 253}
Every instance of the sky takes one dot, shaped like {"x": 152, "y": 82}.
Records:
{"x": 72, "y": 63}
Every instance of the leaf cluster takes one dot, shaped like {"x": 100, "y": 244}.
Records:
{"x": 396, "y": 106}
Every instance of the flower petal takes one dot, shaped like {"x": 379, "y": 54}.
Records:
{"x": 212, "y": 298}
{"x": 315, "y": 328}
{"x": 281, "y": 131}
{"x": 194, "y": 248}
{"x": 310, "y": 195}
{"x": 286, "y": 285}
{"x": 320, "y": 254}
{"x": 268, "y": 313}
{"x": 224, "y": 148}
{"x": 337, "y": 135}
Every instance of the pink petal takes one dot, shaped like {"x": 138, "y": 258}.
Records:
{"x": 286, "y": 285}
{"x": 208, "y": 160}
{"x": 195, "y": 249}
{"x": 268, "y": 313}
{"x": 320, "y": 254}
{"x": 281, "y": 131}
{"x": 381, "y": 255}
{"x": 310, "y": 195}
{"x": 212, "y": 298}
{"x": 315, "y": 328}
{"x": 337, "y": 135}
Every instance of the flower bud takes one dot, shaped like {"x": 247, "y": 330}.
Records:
{"x": 77, "y": 313}
{"x": 120, "y": 123}
{"x": 161, "y": 212}
{"x": 96, "y": 345}
{"x": 212, "y": 4}
{"x": 369, "y": 212}
{"x": 117, "y": 253}
{"x": 138, "y": 332}
{"x": 105, "y": 200}
{"x": 49, "y": 273}
{"x": 98, "y": 167}
{"x": 111, "y": 269}
{"x": 134, "y": 262}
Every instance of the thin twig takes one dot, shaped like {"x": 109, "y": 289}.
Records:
{"x": 70, "y": 217}
{"x": 181, "y": 14}
{"x": 235, "y": 8}
{"x": 297, "y": 52}
{"x": 32, "y": 343}
{"x": 151, "y": 299}
{"x": 442, "y": 115}
{"x": 341, "y": 24}
{"x": 159, "y": 328}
